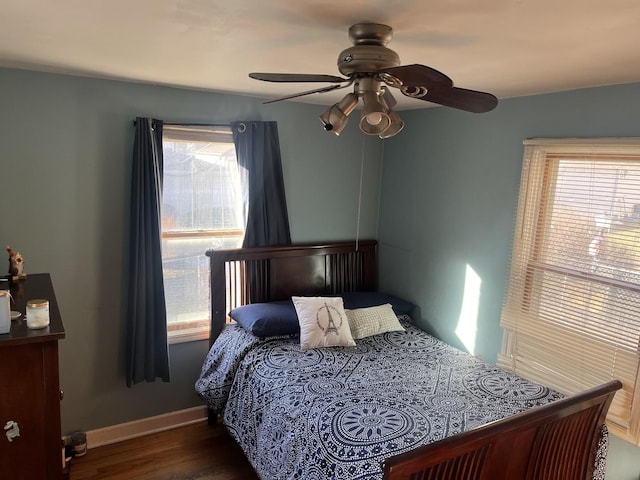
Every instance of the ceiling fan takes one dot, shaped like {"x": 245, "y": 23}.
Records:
{"x": 372, "y": 68}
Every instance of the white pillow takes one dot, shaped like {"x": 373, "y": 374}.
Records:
{"x": 323, "y": 322}
{"x": 365, "y": 322}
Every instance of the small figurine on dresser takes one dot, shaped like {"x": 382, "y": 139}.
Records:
{"x": 16, "y": 265}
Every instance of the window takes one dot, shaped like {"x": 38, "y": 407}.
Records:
{"x": 571, "y": 315}
{"x": 201, "y": 210}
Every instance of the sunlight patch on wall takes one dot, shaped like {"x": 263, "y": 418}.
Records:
{"x": 468, "y": 320}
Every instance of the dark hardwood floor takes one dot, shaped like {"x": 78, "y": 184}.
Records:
{"x": 194, "y": 452}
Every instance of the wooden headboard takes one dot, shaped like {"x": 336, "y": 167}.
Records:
{"x": 249, "y": 275}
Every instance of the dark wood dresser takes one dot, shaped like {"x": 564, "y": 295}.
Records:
{"x": 30, "y": 388}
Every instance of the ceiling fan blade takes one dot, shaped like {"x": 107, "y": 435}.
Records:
{"x": 461, "y": 98}
{"x": 308, "y": 92}
{"x": 296, "y": 77}
{"x": 417, "y": 76}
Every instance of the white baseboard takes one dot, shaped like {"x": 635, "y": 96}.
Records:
{"x": 145, "y": 426}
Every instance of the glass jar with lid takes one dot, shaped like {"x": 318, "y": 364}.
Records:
{"x": 37, "y": 313}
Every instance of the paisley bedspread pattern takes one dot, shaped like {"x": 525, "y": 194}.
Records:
{"x": 337, "y": 413}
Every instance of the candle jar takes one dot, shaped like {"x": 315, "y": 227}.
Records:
{"x": 37, "y": 313}
{"x": 5, "y": 312}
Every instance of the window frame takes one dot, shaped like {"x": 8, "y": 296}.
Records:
{"x": 520, "y": 316}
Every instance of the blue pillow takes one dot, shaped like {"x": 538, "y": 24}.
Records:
{"x": 268, "y": 319}
{"x": 354, "y": 300}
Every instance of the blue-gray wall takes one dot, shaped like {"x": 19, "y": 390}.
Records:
{"x": 456, "y": 176}
{"x": 65, "y": 154}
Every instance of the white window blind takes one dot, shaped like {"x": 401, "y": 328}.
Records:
{"x": 571, "y": 316}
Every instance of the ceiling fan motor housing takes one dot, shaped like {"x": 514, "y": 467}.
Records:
{"x": 366, "y": 59}
{"x": 369, "y": 52}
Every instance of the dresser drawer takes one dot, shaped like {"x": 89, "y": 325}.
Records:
{"x": 22, "y": 411}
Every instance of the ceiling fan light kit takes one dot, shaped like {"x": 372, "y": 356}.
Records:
{"x": 394, "y": 128}
{"x": 374, "y": 118}
{"x": 371, "y": 68}
{"x": 396, "y": 122}
{"x": 335, "y": 118}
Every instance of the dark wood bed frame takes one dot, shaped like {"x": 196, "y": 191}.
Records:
{"x": 557, "y": 441}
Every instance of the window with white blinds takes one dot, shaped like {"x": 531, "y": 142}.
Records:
{"x": 571, "y": 316}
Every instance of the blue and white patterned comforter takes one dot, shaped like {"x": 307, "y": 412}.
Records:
{"x": 337, "y": 413}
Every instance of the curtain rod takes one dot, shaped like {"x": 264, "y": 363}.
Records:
{"x": 194, "y": 124}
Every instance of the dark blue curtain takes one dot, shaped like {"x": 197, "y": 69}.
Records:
{"x": 258, "y": 153}
{"x": 147, "y": 350}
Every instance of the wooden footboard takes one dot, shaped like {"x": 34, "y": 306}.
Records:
{"x": 557, "y": 441}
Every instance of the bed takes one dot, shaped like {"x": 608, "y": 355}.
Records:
{"x": 399, "y": 404}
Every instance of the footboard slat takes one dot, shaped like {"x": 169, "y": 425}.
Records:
{"x": 464, "y": 467}
{"x": 554, "y": 457}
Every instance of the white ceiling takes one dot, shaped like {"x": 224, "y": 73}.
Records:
{"x": 506, "y": 47}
